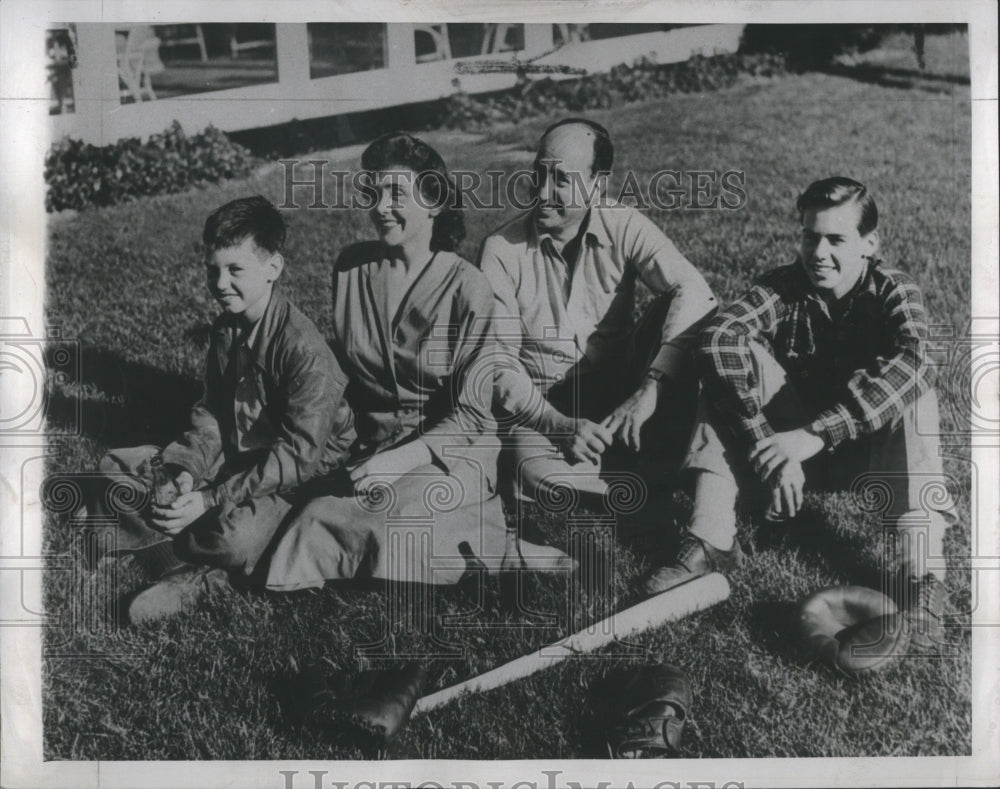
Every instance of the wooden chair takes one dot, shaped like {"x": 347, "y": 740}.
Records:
{"x": 439, "y": 38}
{"x": 197, "y": 39}
{"x": 495, "y": 39}
{"x": 138, "y": 51}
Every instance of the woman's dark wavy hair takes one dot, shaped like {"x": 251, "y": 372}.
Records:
{"x": 403, "y": 150}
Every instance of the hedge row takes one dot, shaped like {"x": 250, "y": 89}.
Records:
{"x": 640, "y": 81}
{"x": 79, "y": 174}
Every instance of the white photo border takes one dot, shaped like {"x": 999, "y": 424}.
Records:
{"x": 25, "y": 123}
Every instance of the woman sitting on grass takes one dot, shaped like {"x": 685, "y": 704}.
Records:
{"x": 413, "y": 329}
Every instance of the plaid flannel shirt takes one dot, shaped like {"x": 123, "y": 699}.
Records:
{"x": 858, "y": 368}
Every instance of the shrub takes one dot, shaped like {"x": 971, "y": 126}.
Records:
{"x": 640, "y": 81}
{"x": 79, "y": 174}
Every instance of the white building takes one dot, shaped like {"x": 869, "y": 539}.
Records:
{"x": 111, "y": 81}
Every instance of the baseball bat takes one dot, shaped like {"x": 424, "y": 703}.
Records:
{"x": 695, "y": 595}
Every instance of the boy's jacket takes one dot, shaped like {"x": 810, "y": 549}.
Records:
{"x": 273, "y": 414}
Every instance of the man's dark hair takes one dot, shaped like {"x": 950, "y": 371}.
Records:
{"x": 249, "y": 217}
{"x": 604, "y": 149}
{"x": 839, "y": 190}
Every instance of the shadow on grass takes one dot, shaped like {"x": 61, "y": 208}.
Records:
{"x": 894, "y": 77}
{"x": 845, "y": 554}
{"x": 773, "y": 625}
{"x": 123, "y": 403}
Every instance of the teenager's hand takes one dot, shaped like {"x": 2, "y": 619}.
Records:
{"x": 626, "y": 420}
{"x": 386, "y": 467}
{"x": 184, "y": 511}
{"x": 586, "y": 443}
{"x": 796, "y": 446}
{"x": 786, "y": 489}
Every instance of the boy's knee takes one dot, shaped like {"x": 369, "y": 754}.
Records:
{"x": 227, "y": 550}
{"x": 109, "y": 464}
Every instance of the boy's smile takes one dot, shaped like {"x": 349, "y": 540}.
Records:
{"x": 240, "y": 278}
{"x": 833, "y": 253}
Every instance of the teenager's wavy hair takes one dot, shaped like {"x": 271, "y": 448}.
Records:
{"x": 436, "y": 186}
{"x": 839, "y": 190}
{"x": 248, "y": 217}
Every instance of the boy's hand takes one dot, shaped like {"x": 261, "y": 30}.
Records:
{"x": 626, "y": 420}
{"x": 795, "y": 446}
{"x": 185, "y": 510}
{"x": 786, "y": 489}
{"x": 185, "y": 482}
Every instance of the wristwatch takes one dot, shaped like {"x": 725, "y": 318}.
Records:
{"x": 655, "y": 375}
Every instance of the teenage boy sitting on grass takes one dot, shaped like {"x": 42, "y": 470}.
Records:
{"x": 815, "y": 374}
{"x": 272, "y": 417}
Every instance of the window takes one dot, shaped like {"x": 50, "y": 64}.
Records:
{"x": 344, "y": 48}
{"x": 462, "y": 40}
{"x": 160, "y": 61}
{"x": 570, "y": 33}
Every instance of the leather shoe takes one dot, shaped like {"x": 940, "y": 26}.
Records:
{"x": 922, "y": 603}
{"x": 694, "y": 558}
{"x": 174, "y": 593}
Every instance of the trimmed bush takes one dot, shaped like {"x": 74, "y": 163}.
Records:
{"x": 623, "y": 84}
{"x": 80, "y": 175}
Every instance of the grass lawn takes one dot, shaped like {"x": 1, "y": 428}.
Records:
{"x": 219, "y": 683}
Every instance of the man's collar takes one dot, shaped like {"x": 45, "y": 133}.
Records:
{"x": 593, "y": 228}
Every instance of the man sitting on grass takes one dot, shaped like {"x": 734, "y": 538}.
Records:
{"x": 815, "y": 374}
{"x": 272, "y": 417}
{"x": 579, "y": 374}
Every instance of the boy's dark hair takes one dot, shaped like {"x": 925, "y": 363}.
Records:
{"x": 839, "y": 190}
{"x": 249, "y": 217}
{"x": 604, "y": 149}
{"x": 397, "y": 149}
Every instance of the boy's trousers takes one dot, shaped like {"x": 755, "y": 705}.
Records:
{"x": 233, "y": 536}
{"x": 895, "y": 471}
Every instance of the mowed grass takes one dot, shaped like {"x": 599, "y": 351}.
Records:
{"x": 221, "y": 681}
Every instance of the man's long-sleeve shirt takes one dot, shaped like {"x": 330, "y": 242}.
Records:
{"x": 550, "y": 314}
{"x": 858, "y": 366}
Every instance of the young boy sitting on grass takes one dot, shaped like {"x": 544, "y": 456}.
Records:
{"x": 815, "y": 374}
{"x": 272, "y": 417}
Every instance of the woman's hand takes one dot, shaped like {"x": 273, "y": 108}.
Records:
{"x": 388, "y": 466}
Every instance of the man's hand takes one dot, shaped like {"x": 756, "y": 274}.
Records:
{"x": 386, "y": 467}
{"x": 626, "y": 420}
{"x": 586, "y": 443}
{"x": 794, "y": 446}
{"x": 786, "y": 490}
{"x": 185, "y": 510}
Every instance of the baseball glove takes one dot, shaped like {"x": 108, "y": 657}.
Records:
{"x": 648, "y": 713}
{"x": 852, "y": 628}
